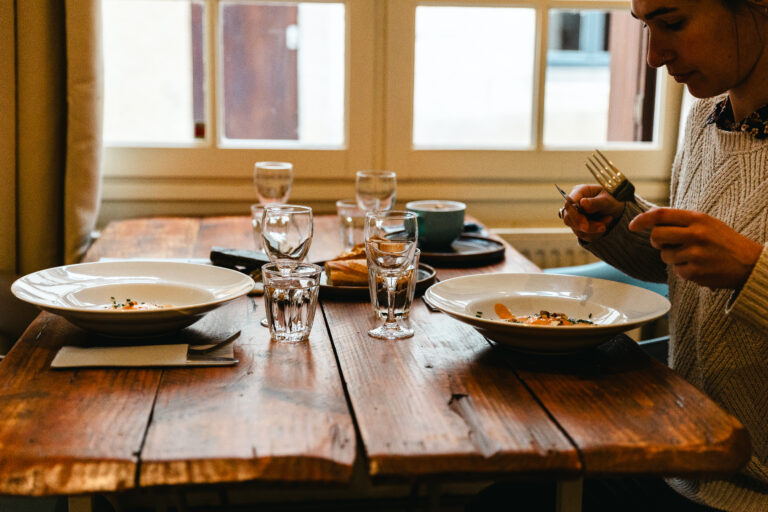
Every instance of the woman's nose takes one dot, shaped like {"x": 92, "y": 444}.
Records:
{"x": 658, "y": 54}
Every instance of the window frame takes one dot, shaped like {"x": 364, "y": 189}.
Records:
{"x": 205, "y": 177}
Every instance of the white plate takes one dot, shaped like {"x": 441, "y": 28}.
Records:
{"x": 82, "y": 294}
{"x": 613, "y": 307}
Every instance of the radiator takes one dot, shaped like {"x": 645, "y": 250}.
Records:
{"x": 547, "y": 247}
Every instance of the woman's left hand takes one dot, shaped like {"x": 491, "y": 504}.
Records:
{"x": 700, "y": 248}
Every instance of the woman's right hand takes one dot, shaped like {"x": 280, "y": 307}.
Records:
{"x": 603, "y": 208}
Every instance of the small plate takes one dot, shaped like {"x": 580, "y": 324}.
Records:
{"x": 83, "y": 294}
{"x": 424, "y": 279}
{"x": 613, "y": 307}
{"x": 467, "y": 250}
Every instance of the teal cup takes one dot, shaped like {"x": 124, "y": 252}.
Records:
{"x": 440, "y": 222}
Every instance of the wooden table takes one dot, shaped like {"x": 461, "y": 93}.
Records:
{"x": 442, "y": 405}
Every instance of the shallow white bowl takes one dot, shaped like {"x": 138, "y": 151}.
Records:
{"x": 82, "y": 293}
{"x": 613, "y": 307}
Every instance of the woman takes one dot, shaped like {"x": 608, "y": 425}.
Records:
{"x": 711, "y": 244}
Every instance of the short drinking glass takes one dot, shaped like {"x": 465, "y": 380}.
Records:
{"x": 375, "y": 190}
{"x": 390, "y": 244}
{"x": 272, "y": 181}
{"x": 291, "y": 300}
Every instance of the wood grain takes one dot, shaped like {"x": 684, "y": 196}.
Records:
{"x": 68, "y": 431}
{"x": 279, "y": 415}
{"x": 442, "y": 402}
{"x": 628, "y": 413}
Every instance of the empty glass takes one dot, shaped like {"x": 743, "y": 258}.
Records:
{"x": 272, "y": 181}
{"x": 286, "y": 233}
{"x": 257, "y": 213}
{"x": 405, "y": 289}
{"x": 390, "y": 244}
{"x": 375, "y": 190}
{"x": 351, "y": 220}
{"x": 291, "y": 300}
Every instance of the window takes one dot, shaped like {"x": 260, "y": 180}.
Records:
{"x": 486, "y": 101}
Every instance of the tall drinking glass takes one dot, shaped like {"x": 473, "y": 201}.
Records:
{"x": 286, "y": 234}
{"x": 273, "y": 181}
{"x": 375, "y": 190}
{"x": 390, "y": 244}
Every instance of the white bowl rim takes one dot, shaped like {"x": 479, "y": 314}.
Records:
{"x": 241, "y": 285}
{"x": 440, "y": 303}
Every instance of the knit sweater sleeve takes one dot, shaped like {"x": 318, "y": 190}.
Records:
{"x": 630, "y": 251}
{"x": 750, "y": 304}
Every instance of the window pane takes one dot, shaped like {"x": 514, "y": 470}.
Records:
{"x": 473, "y": 76}
{"x": 149, "y": 67}
{"x": 283, "y": 72}
{"x": 597, "y": 57}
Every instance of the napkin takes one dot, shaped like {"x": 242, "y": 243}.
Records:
{"x": 141, "y": 356}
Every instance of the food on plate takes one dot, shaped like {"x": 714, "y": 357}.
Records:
{"x": 347, "y": 272}
{"x": 543, "y": 317}
{"x": 349, "y": 268}
{"x": 134, "y": 305}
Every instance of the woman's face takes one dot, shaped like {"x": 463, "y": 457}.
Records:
{"x": 704, "y": 45}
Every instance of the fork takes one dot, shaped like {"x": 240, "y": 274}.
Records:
{"x": 610, "y": 177}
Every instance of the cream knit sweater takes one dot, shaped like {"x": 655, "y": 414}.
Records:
{"x": 719, "y": 339}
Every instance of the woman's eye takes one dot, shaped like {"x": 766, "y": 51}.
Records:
{"x": 676, "y": 25}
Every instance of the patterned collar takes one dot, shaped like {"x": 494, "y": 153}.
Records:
{"x": 755, "y": 124}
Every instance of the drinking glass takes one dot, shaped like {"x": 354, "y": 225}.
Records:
{"x": 291, "y": 300}
{"x": 390, "y": 244}
{"x": 272, "y": 181}
{"x": 286, "y": 233}
{"x": 257, "y": 213}
{"x": 351, "y": 219}
{"x": 375, "y": 190}
{"x": 405, "y": 289}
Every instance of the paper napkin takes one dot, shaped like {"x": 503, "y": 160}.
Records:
{"x": 140, "y": 356}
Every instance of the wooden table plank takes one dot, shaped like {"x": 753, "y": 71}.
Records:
{"x": 441, "y": 402}
{"x": 278, "y": 415}
{"x": 628, "y": 413}
{"x": 68, "y": 431}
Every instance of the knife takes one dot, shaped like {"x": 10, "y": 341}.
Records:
{"x": 576, "y": 206}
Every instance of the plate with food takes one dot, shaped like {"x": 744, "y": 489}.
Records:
{"x": 132, "y": 298}
{"x": 346, "y": 276}
{"x": 546, "y": 313}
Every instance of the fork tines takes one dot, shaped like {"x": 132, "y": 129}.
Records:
{"x": 610, "y": 177}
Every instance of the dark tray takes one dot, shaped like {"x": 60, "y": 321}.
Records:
{"x": 466, "y": 251}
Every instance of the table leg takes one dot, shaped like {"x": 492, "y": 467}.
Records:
{"x": 80, "y": 503}
{"x": 568, "y": 496}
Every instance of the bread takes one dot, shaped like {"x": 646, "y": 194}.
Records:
{"x": 353, "y": 253}
{"x": 348, "y": 272}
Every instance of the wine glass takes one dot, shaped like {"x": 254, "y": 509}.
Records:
{"x": 272, "y": 181}
{"x": 286, "y": 233}
{"x": 390, "y": 245}
{"x": 375, "y": 190}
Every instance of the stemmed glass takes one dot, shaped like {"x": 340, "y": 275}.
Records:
{"x": 375, "y": 190}
{"x": 390, "y": 243}
{"x": 272, "y": 181}
{"x": 286, "y": 234}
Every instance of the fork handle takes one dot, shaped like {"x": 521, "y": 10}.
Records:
{"x": 625, "y": 192}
